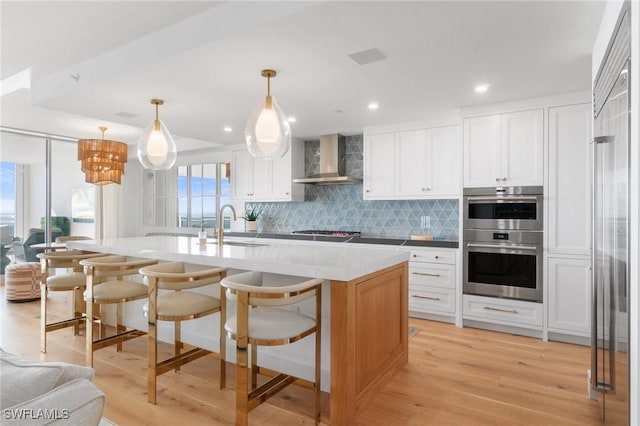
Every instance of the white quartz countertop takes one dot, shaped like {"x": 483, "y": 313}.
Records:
{"x": 280, "y": 257}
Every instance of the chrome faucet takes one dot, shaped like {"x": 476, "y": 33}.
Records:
{"x": 221, "y": 222}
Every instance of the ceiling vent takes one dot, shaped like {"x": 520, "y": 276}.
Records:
{"x": 125, "y": 114}
{"x": 367, "y": 56}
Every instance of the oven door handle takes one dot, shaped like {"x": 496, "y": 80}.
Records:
{"x": 494, "y": 246}
{"x": 511, "y": 198}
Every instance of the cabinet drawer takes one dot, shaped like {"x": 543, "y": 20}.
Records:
{"x": 431, "y": 299}
{"x": 432, "y": 274}
{"x": 505, "y": 311}
{"x": 434, "y": 256}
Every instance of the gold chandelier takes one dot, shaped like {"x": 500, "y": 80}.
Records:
{"x": 102, "y": 160}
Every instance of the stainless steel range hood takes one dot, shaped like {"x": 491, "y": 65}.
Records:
{"x": 332, "y": 163}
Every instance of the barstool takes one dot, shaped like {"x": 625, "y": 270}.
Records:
{"x": 177, "y": 305}
{"x": 100, "y": 291}
{"x": 268, "y": 325}
{"x": 73, "y": 281}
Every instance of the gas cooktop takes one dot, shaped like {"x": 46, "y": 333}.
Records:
{"x": 329, "y": 233}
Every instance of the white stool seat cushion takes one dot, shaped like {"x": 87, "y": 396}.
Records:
{"x": 273, "y": 324}
{"x": 183, "y": 303}
{"x": 118, "y": 290}
{"x": 66, "y": 281}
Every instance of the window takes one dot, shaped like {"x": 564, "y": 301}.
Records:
{"x": 186, "y": 196}
{"x": 7, "y": 201}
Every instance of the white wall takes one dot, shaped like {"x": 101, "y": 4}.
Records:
{"x": 607, "y": 26}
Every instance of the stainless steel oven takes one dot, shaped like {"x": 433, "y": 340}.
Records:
{"x": 503, "y": 208}
{"x": 503, "y": 263}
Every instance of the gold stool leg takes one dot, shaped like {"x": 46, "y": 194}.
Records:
{"x": 43, "y": 318}
{"x": 152, "y": 355}
{"x": 242, "y": 343}
{"x": 77, "y": 302}
{"x": 119, "y": 327}
{"x": 177, "y": 342}
{"x": 254, "y": 366}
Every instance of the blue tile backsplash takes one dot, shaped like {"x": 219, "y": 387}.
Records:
{"x": 341, "y": 207}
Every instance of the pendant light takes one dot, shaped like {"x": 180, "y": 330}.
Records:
{"x": 102, "y": 161}
{"x": 267, "y": 133}
{"x": 156, "y": 148}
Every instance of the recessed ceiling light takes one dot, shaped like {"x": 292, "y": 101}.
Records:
{"x": 373, "y": 106}
{"x": 291, "y": 119}
{"x": 481, "y": 88}
{"x": 227, "y": 129}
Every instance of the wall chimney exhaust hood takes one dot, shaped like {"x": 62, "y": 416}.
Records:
{"x": 332, "y": 163}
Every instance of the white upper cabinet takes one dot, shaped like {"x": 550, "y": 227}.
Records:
{"x": 482, "y": 151}
{"x": 504, "y": 150}
{"x": 444, "y": 148}
{"x": 379, "y": 166}
{"x": 413, "y": 164}
{"x": 569, "y": 187}
{"x": 255, "y": 179}
{"x": 411, "y": 170}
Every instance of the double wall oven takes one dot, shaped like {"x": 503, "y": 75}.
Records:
{"x": 503, "y": 242}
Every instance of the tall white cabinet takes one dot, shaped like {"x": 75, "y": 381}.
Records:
{"x": 568, "y": 199}
{"x": 504, "y": 149}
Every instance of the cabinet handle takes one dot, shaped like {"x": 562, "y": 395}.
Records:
{"x": 415, "y": 255}
{"x": 286, "y": 193}
{"x": 424, "y": 297}
{"x": 368, "y": 190}
{"x": 504, "y": 179}
{"x": 426, "y": 273}
{"x": 497, "y": 179}
{"x": 437, "y": 257}
{"x": 509, "y": 311}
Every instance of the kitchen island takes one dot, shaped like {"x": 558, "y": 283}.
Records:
{"x": 368, "y": 300}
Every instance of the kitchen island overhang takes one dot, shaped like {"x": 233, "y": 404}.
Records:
{"x": 368, "y": 297}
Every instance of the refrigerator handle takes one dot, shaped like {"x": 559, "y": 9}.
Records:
{"x": 594, "y": 286}
{"x": 598, "y": 384}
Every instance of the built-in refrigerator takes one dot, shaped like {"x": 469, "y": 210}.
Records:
{"x": 610, "y": 236}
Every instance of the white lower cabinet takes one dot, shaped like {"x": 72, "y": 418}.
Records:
{"x": 433, "y": 283}
{"x": 507, "y": 312}
{"x": 569, "y": 301}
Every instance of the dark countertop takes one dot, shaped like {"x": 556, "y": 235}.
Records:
{"x": 357, "y": 240}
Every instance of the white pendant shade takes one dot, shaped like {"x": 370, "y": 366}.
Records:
{"x": 268, "y": 134}
{"x": 156, "y": 147}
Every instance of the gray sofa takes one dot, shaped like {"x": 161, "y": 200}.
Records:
{"x": 47, "y": 393}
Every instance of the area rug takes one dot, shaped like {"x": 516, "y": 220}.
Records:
{"x": 413, "y": 331}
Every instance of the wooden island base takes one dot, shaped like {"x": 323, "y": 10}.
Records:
{"x": 369, "y": 338}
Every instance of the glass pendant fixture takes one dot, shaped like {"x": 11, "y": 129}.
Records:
{"x": 156, "y": 148}
{"x": 268, "y": 134}
{"x": 102, "y": 161}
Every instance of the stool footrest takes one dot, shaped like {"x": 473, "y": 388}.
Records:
{"x": 268, "y": 389}
{"x": 183, "y": 358}
{"x": 66, "y": 323}
{"x": 118, "y": 338}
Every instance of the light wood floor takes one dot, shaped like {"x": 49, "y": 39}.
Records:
{"x": 454, "y": 377}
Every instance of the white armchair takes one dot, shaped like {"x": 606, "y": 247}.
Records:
{"x": 38, "y": 393}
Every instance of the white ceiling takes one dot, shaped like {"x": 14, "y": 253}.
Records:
{"x": 204, "y": 59}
